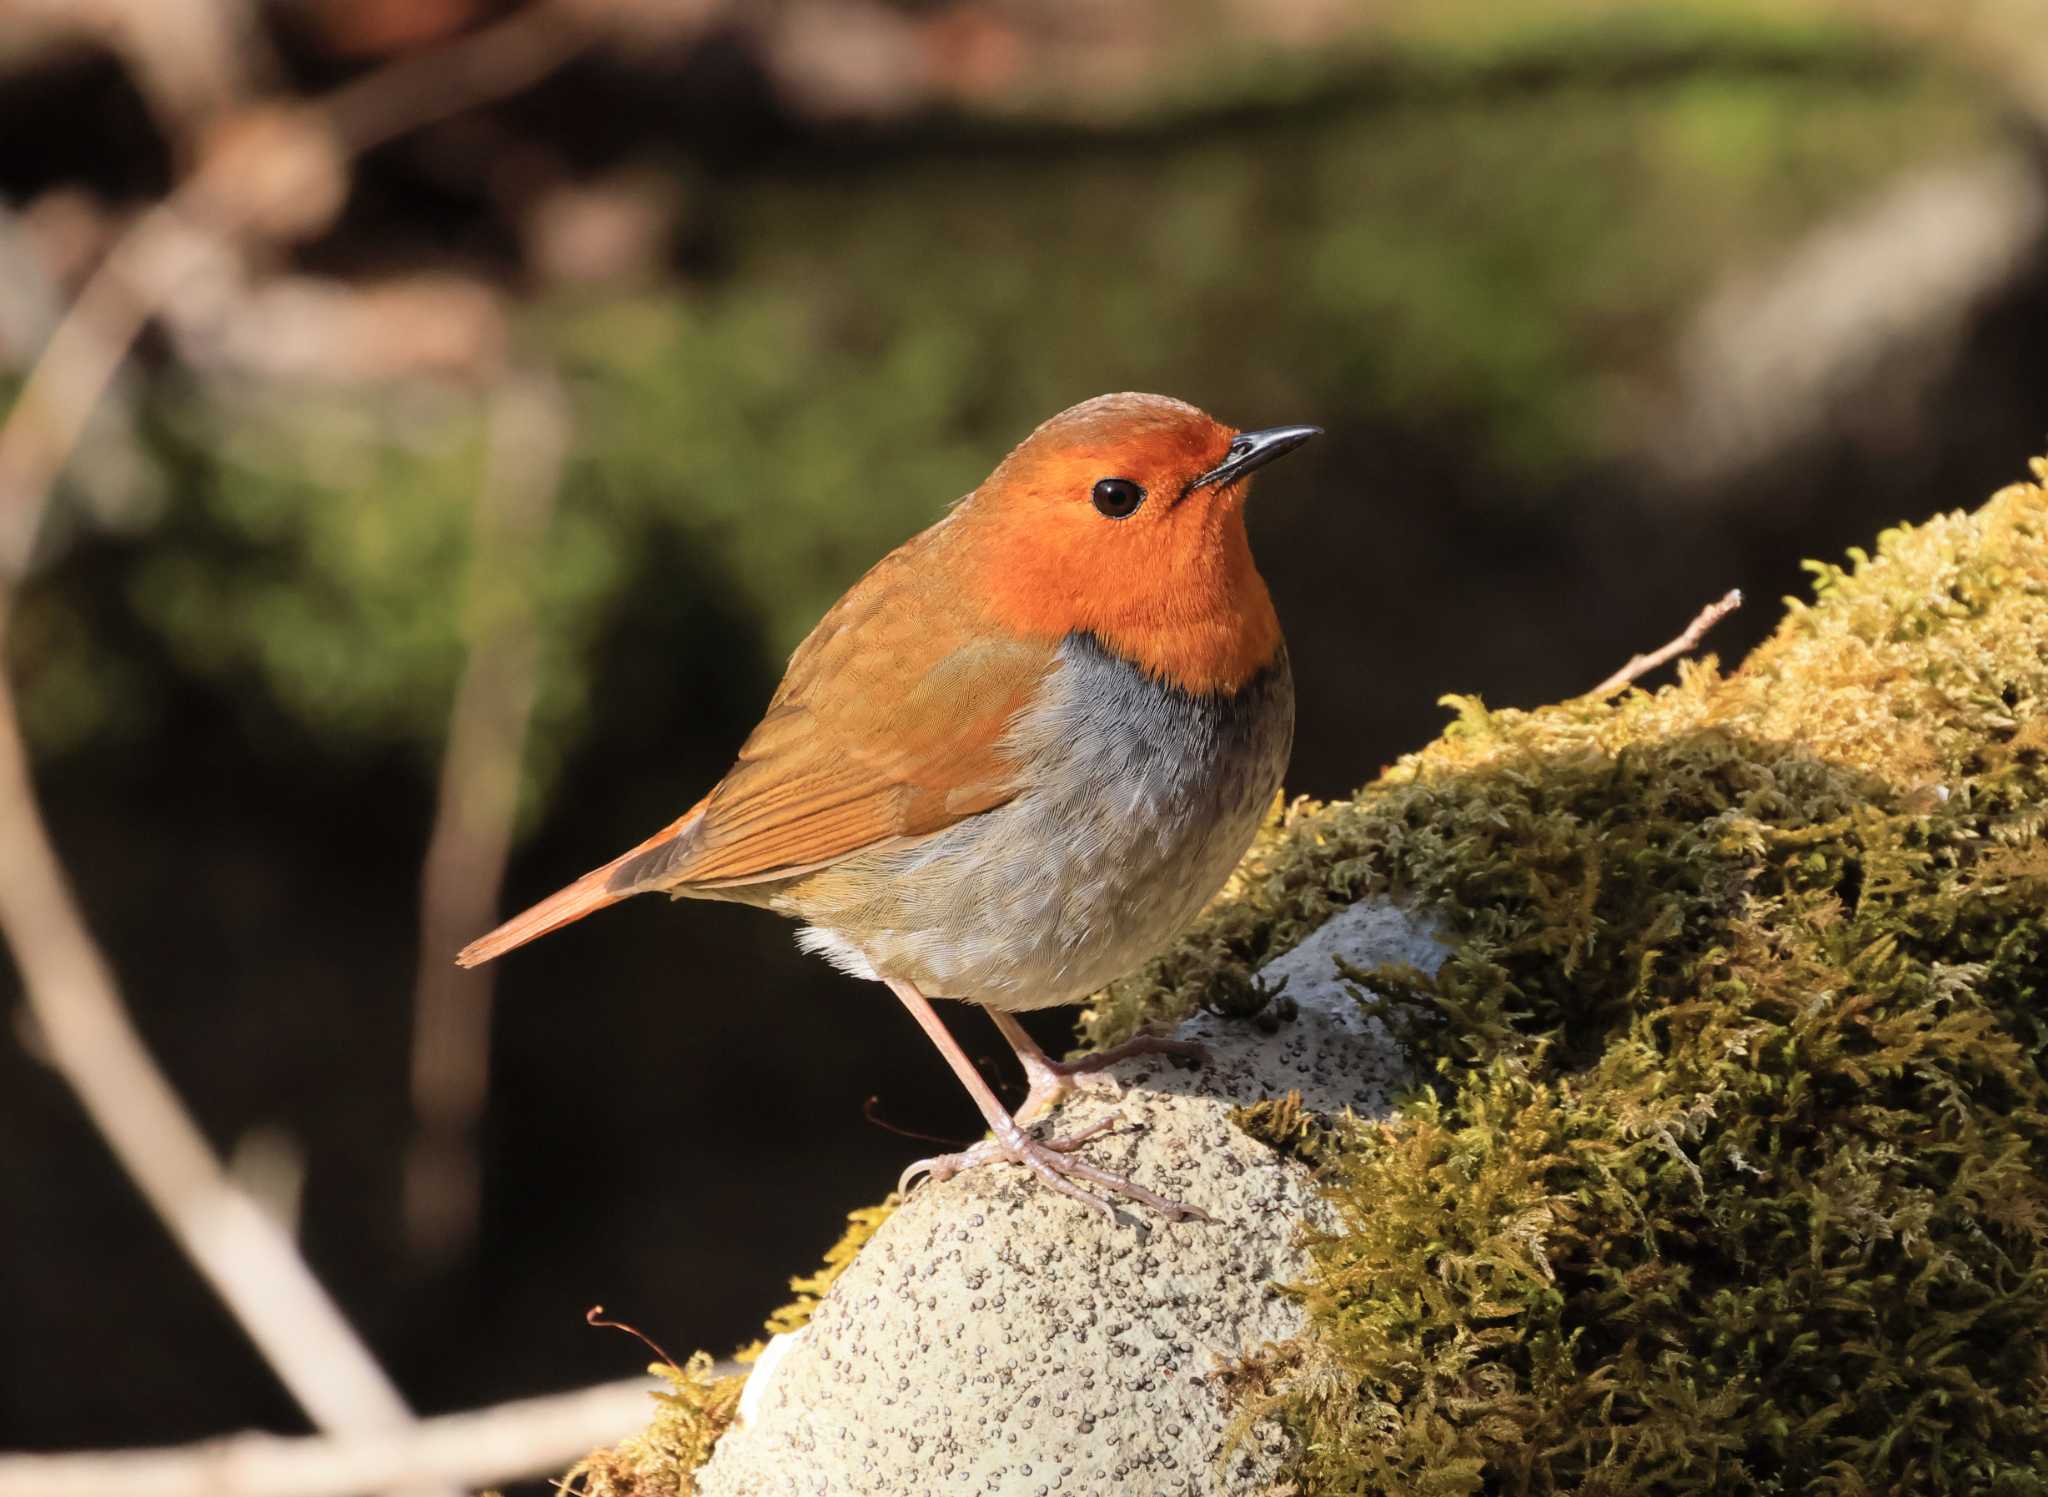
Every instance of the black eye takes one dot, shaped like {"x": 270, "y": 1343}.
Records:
{"x": 1118, "y": 497}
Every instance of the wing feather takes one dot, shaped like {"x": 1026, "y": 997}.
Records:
{"x": 891, "y": 722}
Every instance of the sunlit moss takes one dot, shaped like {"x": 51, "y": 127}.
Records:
{"x": 1730, "y": 1172}
{"x": 810, "y": 1288}
{"x": 659, "y": 1461}
{"x": 1729, "y": 1169}
{"x": 700, "y": 1405}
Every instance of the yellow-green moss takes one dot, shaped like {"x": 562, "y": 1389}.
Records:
{"x": 810, "y": 1288}
{"x": 662, "y": 1459}
{"x": 1730, "y": 1172}
{"x": 1283, "y": 1125}
{"x": 699, "y": 1406}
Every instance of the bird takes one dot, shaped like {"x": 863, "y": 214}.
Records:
{"x": 1015, "y": 759}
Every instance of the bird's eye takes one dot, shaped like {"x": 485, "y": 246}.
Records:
{"x": 1118, "y": 497}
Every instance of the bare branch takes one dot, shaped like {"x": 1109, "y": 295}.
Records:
{"x": 251, "y": 1262}
{"x": 1639, "y": 665}
{"x": 71, "y": 375}
{"x": 528, "y": 436}
{"x": 487, "y": 64}
{"x": 244, "y": 1254}
{"x": 191, "y": 59}
{"x": 530, "y": 1437}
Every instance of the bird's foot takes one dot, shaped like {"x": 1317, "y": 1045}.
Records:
{"x": 1053, "y": 1080}
{"x": 1053, "y": 1161}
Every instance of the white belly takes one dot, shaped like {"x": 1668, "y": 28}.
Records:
{"x": 1142, "y": 799}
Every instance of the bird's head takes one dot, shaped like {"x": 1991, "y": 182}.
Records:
{"x": 1123, "y": 517}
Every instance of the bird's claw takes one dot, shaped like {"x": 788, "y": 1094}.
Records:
{"x": 1054, "y": 1162}
{"x": 1051, "y": 1087}
{"x": 1053, "y": 1080}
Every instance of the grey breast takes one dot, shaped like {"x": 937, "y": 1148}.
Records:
{"x": 1140, "y": 800}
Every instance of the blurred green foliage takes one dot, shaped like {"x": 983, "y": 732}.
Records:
{"x": 1498, "y": 240}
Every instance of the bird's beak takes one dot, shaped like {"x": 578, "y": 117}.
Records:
{"x": 1254, "y": 449}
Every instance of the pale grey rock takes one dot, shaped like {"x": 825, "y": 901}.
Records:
{"x": 995, "y": 1337}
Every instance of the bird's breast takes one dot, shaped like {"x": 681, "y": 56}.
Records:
{"x": 1140, "y": 799}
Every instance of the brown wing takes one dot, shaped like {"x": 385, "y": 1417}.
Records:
{"x": 889, "y": 723}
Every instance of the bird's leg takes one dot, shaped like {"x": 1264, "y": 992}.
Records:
{"x": 1052, "y": 1159}
{"x": 1052, "y": 1079}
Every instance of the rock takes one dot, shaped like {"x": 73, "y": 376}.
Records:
{"x": 995, "y": 1337}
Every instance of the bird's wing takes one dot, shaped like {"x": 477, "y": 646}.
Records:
{"x": 890, "y": 723}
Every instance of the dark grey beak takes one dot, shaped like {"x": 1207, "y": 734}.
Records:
{"x": 1254, "y": 449}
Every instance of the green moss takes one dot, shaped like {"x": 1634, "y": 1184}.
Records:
{"x": 1729, "y": 1167}
{"x": 661, "y": 1460}
{"x": 700, "y": 1404}
{"x": 1285, "y": 1126}
{"x": 810, "y": 1288}
{"x": 1730, "y": 1171}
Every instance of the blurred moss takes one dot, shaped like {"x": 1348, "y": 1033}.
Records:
{"x": 1493, "y": 238}
{"x": 1501, "y": 261}
{"x": 326, "y": 547}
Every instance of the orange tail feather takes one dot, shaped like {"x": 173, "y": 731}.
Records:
{"x": 586, "y": 896}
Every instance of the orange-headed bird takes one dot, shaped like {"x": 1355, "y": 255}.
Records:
{"x": 1018, "y": 756}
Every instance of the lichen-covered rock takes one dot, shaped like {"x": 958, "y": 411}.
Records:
{"x": 995, "y": 1337}
{"x": 1731, "y": 1170}
{"x": 1721, "y": 1163}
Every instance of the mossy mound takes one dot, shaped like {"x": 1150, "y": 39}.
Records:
{"x": 1732, "y": 1173}
{"x": 701, "y": 1402}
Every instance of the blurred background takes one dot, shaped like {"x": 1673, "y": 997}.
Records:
{"x": 518, "y": 382}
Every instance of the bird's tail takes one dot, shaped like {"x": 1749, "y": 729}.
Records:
{"x": 592, "y": 892}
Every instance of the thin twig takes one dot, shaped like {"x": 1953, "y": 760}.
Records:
{"x": 527, "y": 437}
{"x": 250, "y": 1261}
{"x": 487, "y": 64}
{"x": 237, "y": 1247}
{"x": 1709, "y": 616}
{"x": 71, "y": 375}
{"x": 529, "y": 1437}
{"x": 139, "y": 273}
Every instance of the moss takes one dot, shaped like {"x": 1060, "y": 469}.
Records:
{"x": 658, "y": 1462}
{"x": 1283, "y": 1125}
{"x": 810, "y": 1288}
{"x": 700, "y": 1404}
{"x": 1730, "y": 1169}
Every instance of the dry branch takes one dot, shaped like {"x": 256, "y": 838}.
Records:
{"x": 238, "y": 1248}
{"x": 530, "y": 1437}
{"x": 73, "y": 371}
{"x": 210, "y": 212}
{"x": 1639, "y": 665}
{"x": 251, "y": 1261}
{"x": 527, "y": 439}
{"x": 487, "y": 64}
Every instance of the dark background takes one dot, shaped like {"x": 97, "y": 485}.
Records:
{"x": 1557, "y": 280}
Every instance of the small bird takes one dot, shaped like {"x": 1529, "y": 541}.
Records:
{"x": 1017, "y": 757}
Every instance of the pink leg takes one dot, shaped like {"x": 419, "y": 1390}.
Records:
{"x": 1052, "y": 1079}
{"x": 1052, "y": 1160}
